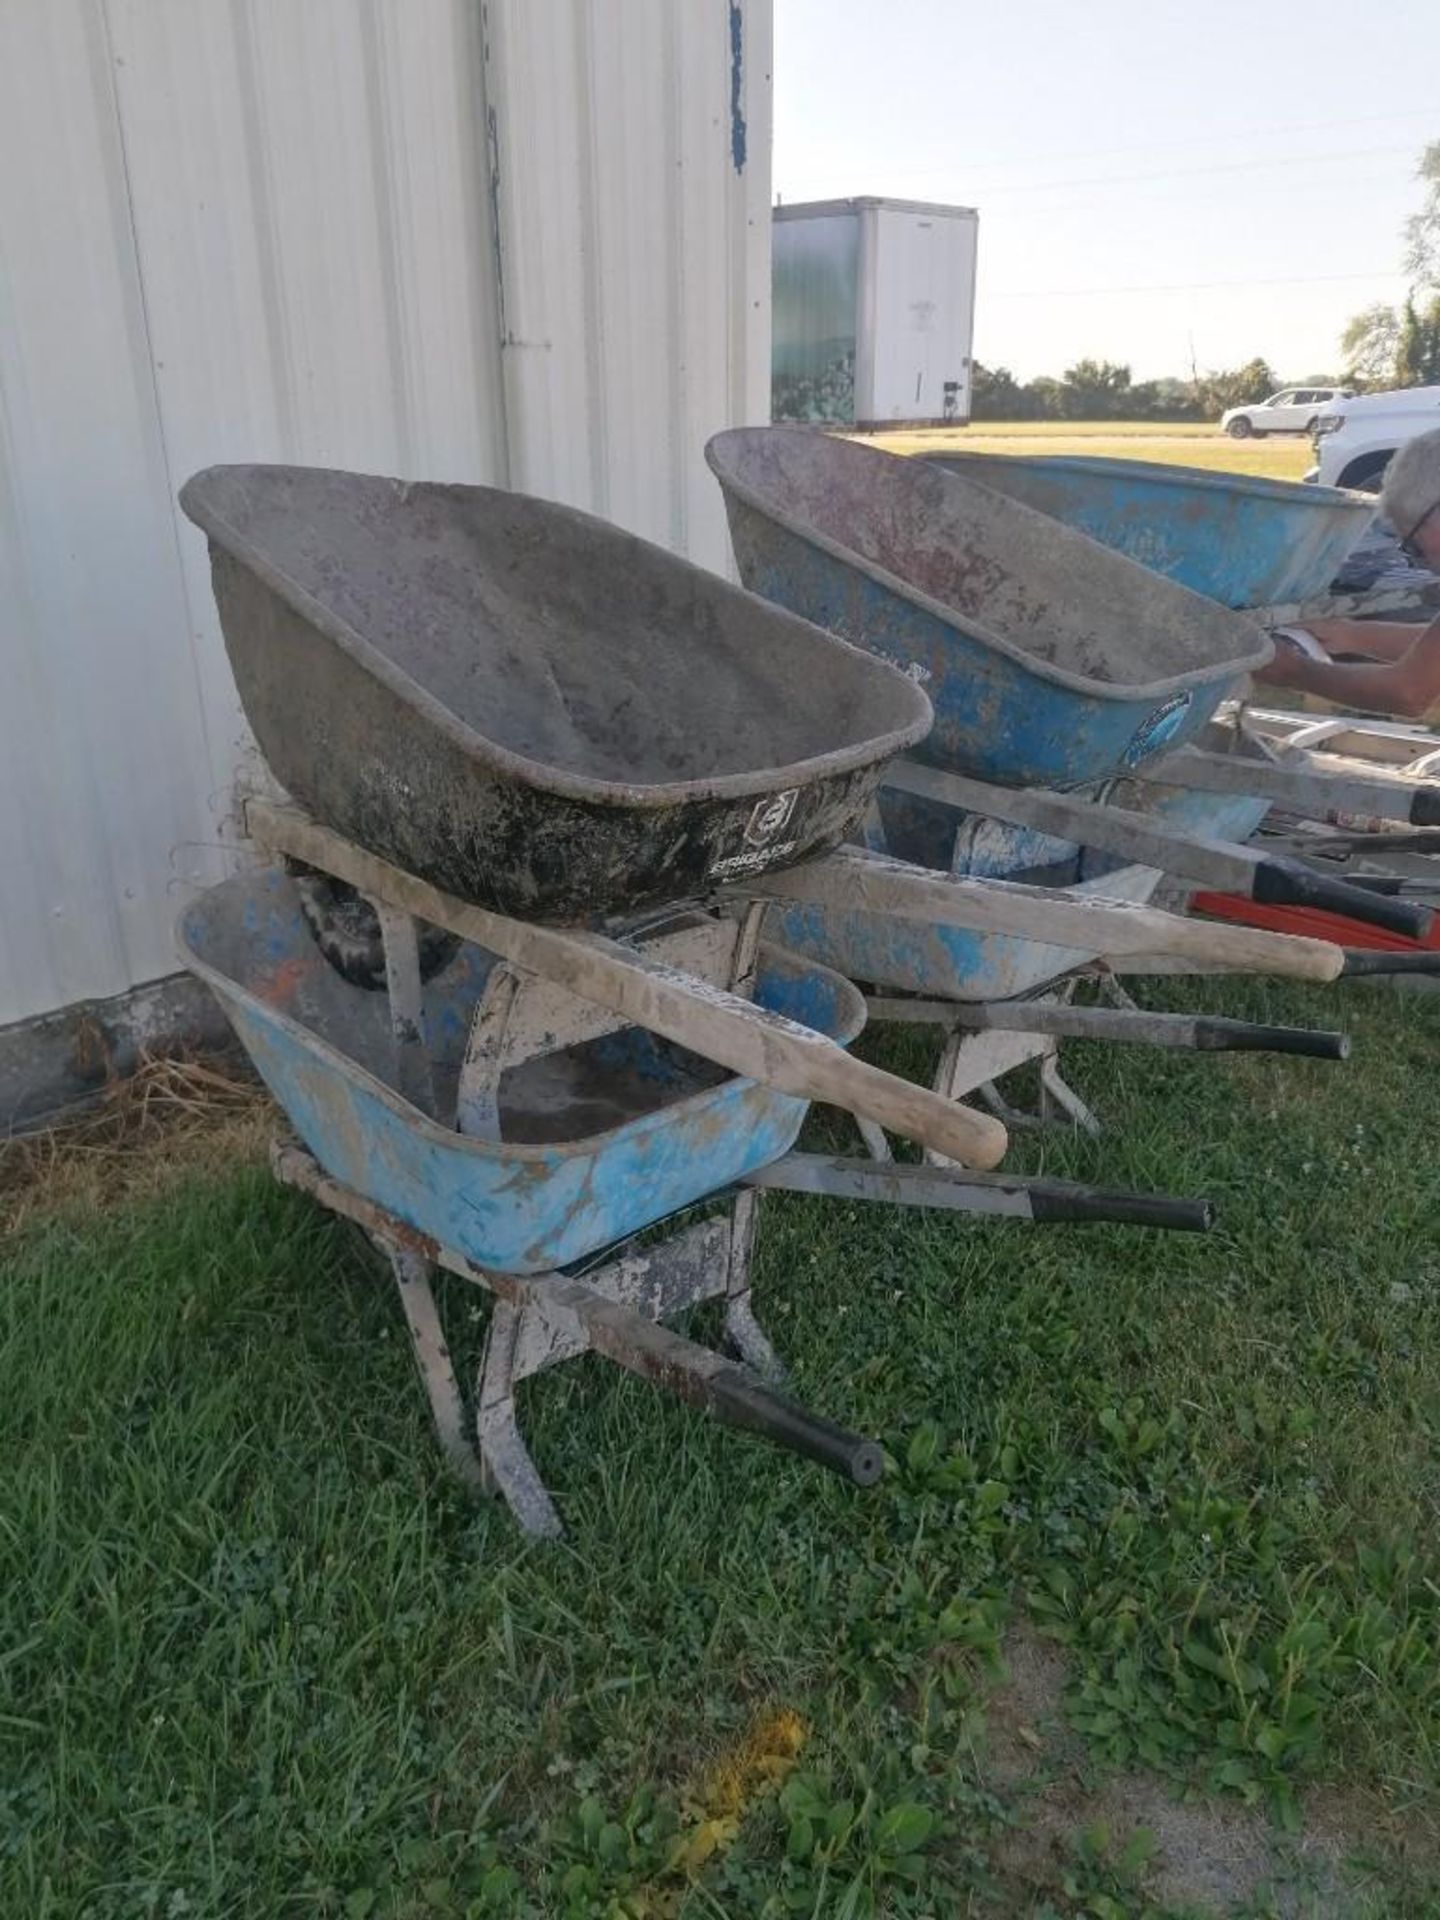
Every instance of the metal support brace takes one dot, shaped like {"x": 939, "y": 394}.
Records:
{"x": 1056, "y": 1091}
{"x": 742, "y": 1330}
{"x": 401, "y": 940}
{"x": 477, "y": 1097}
{"x": 507, "y": 1459}
{"x": 432, "y": 1356}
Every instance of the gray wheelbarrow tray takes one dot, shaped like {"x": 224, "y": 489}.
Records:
{"x": 526, "y": 706}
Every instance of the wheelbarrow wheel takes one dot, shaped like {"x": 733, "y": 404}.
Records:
{"x": 346, "y": 928}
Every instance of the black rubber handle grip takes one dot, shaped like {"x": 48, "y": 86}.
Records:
{"x": 1248, "y": 1036}
{"x": 1288, "y": 883}
{"x": 1425, "y": 807}
{"x": 742, "y": 1401}
{"x": 1056, "y": 1201}
{"x": 1387, "y": 883}
{"x": 1360, "y": 961}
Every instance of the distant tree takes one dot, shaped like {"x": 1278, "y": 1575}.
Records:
{"x": 1368, "y": 346}
{"x": 1045, "y": 399}
{"x": 995, "y": 394}
{"x": 1164, "y": 399}
{"x": 1240, "y": 387}
{"x": 1417, "y": 352}
{"x": 1422, "y": 229}
{"x": 1096, "y": 390}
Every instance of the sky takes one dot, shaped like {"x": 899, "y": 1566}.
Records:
{"x": 1223, "y": 179}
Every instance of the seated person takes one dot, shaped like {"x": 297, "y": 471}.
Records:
{"x": 1399, "y": 672}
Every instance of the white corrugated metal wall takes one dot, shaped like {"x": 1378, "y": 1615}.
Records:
{"x": 525, "y": 242}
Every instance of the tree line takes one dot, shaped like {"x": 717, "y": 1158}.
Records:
{"x": 1104, "y": 390}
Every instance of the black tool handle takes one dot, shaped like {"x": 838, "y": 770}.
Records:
{"x": 1387, "y": 883}
{"x": 1360, "y": 961}
{"x": 740, "y": 1400}
{"x": 1056, "y": 1201}
{"x": 1280, "y": 882}
{"x": 1250, "y": 1036}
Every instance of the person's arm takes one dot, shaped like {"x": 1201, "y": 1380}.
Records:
{"x": 1407, "y": 686}
{"x": 1372, "y": 639}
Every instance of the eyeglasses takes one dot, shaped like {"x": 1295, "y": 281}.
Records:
{"x": 1408, "y": 544}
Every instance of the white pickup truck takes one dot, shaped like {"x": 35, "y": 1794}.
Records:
{"x": 1355, "y": 438}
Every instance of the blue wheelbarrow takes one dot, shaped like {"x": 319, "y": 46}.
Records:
{"x": 1001, "y": 1000}
{"x": 1240, "y": 539}
{"x": 1049, "y": 660}
{"x": 519, "y": 1137}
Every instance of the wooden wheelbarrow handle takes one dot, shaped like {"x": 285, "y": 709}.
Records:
{"x": 721, "y": 1026}
{"x": 1304, "y": 785}
{"x": 1225, "y": 866}
{"x": 854, "y": 880}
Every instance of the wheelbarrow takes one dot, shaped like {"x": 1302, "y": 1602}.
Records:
{"x": 1245, "y": 541}
{"x": 526, "y": 706}
{"x": 540, "y": 1092}
{"x": 489, "y": 1124}
{"x": 438, "y": 671}
{"x": 1050, "y": 660}
{"x": 1002, "y": 1000}
{"x": 1030, "y": 638}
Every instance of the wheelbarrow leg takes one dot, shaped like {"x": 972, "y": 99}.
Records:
{"x": 742, "y": 1330}
{"x": 1114, "y": 991}
{"x": 947, "y": 1083}
{"x": 1056, "y": 1091}
{"x": 508, "y": 1464}
{"x": 432, "y": 1356}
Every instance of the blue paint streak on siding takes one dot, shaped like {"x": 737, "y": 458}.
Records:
{"x": 737, "y": 64}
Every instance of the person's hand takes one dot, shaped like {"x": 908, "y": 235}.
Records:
{"x": 1289, "y": 667}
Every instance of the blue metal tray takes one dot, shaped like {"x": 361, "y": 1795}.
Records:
{"x": 650, "y": 1127}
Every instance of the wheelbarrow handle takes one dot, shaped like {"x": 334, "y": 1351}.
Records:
{"x": 1361, "y": 962}
{"x": 737, "y": 1397}
{"x": 1006, "y": 1196}
{"x": 1250, "y": 1036}
{"x": 1281, "y": 881}
{"x": 1054, "y": 1202}
{"x": 720, "y": 1026}
{"x": 854, "y": 881}
{"x": 1304, "y": 784}
{"x": 1140, "y": 1027}
{"x": 1389, "y": 884}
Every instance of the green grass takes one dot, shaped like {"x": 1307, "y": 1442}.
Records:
{"x": 1275, "y": 457}
{"x": 258, "y": 1658}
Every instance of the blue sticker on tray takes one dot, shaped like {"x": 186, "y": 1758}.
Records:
{"x": 1158, "y": 730}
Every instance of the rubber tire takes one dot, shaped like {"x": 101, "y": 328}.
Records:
{"x": 1365, "y": 475}
{"x": 346, "y": 928}
{"x": 1312, "y": 424}
{"x": 1240, "y": 429}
